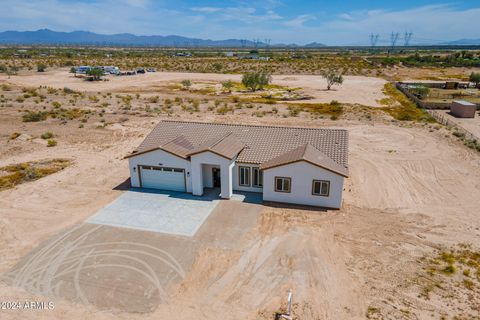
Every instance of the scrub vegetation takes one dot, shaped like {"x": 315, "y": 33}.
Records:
{"x": 13, "y": 175}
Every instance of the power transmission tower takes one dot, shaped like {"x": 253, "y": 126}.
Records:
{"x": 267, "y": 43}
{"x": 374, "y": 39}
{"x": 243, "y": 42}
{"x": 394, "y": 38}
{"x": 407, "y": 38}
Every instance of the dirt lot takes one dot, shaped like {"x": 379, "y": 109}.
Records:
{"x": 470, "y": 124}
{"x": 413, "y": 189}
{"x": 368, "y": 90}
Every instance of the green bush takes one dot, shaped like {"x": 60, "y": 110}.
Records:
{"x": 47, "y": 135}
{"x": 41, "y": 67}
{"x": 51, "y": 143}
{"x": 31, "y": 116}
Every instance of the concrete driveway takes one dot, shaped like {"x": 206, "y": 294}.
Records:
{"x": 158, "y": 211}
{"x": 126, "y": 269}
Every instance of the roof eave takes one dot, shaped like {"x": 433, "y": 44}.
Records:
{"x": 343, "y": 174}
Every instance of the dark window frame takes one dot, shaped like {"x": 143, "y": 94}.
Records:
{"x": 320, "y": 193}
{"x": 289, "y": 184}
{"x": 260, "y": 177}
{"x": 245, "y": 175}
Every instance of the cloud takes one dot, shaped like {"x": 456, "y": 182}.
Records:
{"x": 299, "y": 21}
{"x": 242, "y": 14}
{"x": 435, "y": 23}
{"x": 206, "y": 9}
{"x": 258, "y": 19}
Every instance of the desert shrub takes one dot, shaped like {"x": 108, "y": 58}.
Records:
{"x": 154, "y": 99}
{"x": 56, "y": 104}
{"x": 47, "y": 135}
{"x": 15, "y": 135}
{"x": 407, "y": 111}
{"x": 93, "y": 98}
{"x": 41, "y": 67}
{"x": 67, "y": 90}
{"x": 29, "y": 171}
{"x": 225, "y": 109}
{"x": 293, "y": 111}
{"x": 227, "y": 85}
{"x": 31, "y": 116}
{"x": 186, "y": 83}
{"x": 51, "y": 143}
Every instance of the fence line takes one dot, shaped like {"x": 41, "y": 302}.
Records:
{"x": 435, "y": 114}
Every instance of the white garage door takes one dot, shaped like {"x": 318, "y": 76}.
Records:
{"x": 163, "y": 178}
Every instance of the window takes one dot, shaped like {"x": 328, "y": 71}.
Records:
{"x": 321, "y": 188}
{"x": 257, "y": 177}
{"x": 282, "y": 184}
{"x": 244, "y": 176}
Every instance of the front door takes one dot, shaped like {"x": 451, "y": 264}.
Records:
{"x": 216, "y": 177}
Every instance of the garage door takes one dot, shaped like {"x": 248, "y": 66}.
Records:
{"x": 162, "y": 178}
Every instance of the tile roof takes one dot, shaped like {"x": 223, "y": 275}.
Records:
{"x": 228, "y": 146}
{"x": 259, "y": 143}
{"x": 308, "y": 153}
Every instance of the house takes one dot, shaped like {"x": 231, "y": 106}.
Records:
{"x": 292, "y": 165}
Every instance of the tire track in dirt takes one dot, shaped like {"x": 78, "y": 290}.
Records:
{"x": 78, "y": 266}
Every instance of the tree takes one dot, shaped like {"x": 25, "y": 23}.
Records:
{"x": 475, "y": 78}
{"x": 95, "y": 73}
{"x": 332, "y": 78}
{"x": 227, "y": 85}
{"x": 41, "y": 67}
{"x": 74, "y": 71}
{"x": 186, "y": 83}
{"x": 256, "y": 80}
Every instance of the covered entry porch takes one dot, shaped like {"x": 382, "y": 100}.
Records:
{"x": 210, "y": 170}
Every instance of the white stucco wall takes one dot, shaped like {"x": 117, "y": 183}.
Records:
{"x": 302, "y": 175}
{"x": 159, "y": 158}
{"x": 236, "y": 185}
{"x": 210, "y": 158}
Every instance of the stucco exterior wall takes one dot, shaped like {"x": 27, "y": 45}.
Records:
{"x": 236, "y": 185}
{"x": 209, "y": 158}
{"x": 302, "y": 175}
{"x": 159, "y": 158}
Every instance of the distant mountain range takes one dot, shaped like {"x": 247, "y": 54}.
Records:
{"x": 49, "y": 37}
{"x": 463, "y": 42}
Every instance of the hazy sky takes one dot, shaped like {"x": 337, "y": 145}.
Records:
{"x": 341, "y": 22}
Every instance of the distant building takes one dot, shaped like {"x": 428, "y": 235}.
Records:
{"x": 229, "y": 54}
{"x": 463, "y": 109}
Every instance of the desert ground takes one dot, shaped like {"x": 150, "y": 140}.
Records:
{"x": 413, "y": 193}
{"x": 368, "y": 90}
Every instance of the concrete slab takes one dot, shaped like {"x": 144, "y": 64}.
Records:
{"x": 158, "y": 211}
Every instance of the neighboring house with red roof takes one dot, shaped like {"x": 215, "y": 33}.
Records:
{"x": 293, "y": 165}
